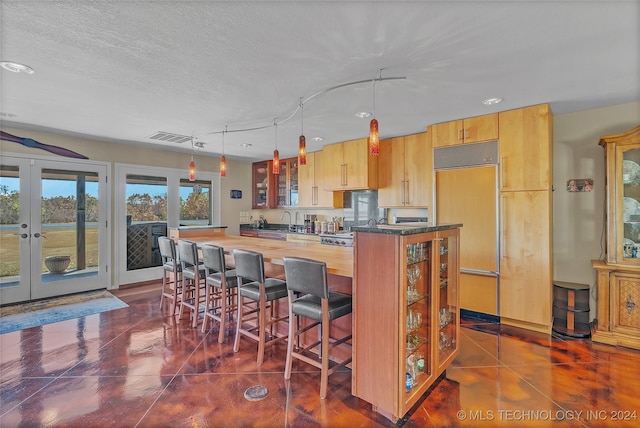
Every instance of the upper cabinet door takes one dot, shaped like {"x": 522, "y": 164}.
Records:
{"x": 480, "y": 128}
{"x": 470, "y": 130}
{"x": 361, "y": 170}
{"x": 306, "y": 182}
{"x": 332, "y": 167}
{"x": 348, "y": 166}
{"x": 447, "y": 134}
{"x": 405, "y": 171}
{"x": 418, "y": 166}
{"x": 391, "y": 173}
{"x": 526, "y": 149}
{"x": 263, "y": 185}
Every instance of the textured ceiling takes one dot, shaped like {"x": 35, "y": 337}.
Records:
{"x": 123, "y": 70}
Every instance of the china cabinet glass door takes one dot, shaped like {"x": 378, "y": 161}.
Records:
{"x": 261, "y": 185}
{"x": 630, "y": 242}
{"x": 417, "y": 326}
{"x": 447, "y": 299}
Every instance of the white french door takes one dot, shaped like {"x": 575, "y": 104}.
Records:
{"x": 52, "y": 211}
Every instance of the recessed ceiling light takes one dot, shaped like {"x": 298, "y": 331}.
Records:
{"x": 363, "y": 114}
{"x": 492, "y": 101}
{"x": 318, "y": 138}
{"x": 9, "y": 115}
{"x": 246, "y": 145}
{"x": 16, "y": 67}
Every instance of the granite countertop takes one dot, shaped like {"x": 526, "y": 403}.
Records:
{"x": 405, "y": 228}
{"x": 200, "y": 227}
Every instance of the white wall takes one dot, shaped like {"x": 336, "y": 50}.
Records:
{"x": 579, "y": 218}
{"x": 238, "y": 173}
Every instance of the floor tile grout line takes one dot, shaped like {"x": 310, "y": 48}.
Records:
{"x": 538, "y": 390}
{"x": 62, "y": 375}
{"x": 175, "y": 375}
{"x": 482, "y": 347}
{"x": 53, "y": 379}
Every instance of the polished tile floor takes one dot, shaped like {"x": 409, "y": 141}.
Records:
{"x": 135, "y": 367}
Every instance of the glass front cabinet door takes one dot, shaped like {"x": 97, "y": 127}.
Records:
{"x": 416, "y": 329}
{"x": 628, "y": 244}
{"x": 447, "y": 299}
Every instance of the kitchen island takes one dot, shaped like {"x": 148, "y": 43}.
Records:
{"x": 406, "y": 324}
{"x": 339, "y": 260}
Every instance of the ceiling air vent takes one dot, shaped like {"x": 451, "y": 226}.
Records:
{"x": 169, "y": 137}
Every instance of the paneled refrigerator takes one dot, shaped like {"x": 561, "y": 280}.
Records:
{"x": 466, "y": 192}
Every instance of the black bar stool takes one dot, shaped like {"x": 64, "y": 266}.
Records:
{"x": 256, "y": 295}
{"x": 220, "y": 296}
{"x": 193, "y": 280}
{"x": 309, "y": 297}
{"x": 171, "y": 273}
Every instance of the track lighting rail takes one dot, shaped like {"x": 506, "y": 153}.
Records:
{"x": 302, "y": 102}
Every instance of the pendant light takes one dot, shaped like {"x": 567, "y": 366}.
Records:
{"x": 276, "y": 155}
{"x": 374, "y": 138}
{"x": 192, "y": 166}
{"x": 302, "y": 145}
{"x": 223, "y": 159}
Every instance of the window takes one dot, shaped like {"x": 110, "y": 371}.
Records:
{"x": 149, "y": 202}
{"x": 195, "y": 203}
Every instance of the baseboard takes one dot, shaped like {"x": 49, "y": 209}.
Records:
{"x": 479, "y": 316}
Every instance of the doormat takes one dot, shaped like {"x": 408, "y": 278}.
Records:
{"x": 48, "y": 311}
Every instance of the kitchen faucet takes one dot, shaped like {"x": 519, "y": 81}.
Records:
{"x": 282, "y": 216}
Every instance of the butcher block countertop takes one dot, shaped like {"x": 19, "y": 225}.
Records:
{"x": 339, "y": 260}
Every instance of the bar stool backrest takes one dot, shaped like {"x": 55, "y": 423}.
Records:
{"x": 249, "y": 265}
{"x": 168, "y": 253}
{"x": 306, "y": 276}
{"x": 213, "y": 257}
{"x": 189, "y": 258}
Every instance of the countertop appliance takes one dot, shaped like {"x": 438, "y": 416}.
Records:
{"x": 339, "y": 239}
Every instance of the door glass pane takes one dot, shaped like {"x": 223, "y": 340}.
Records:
{"x": 631, "y": 203}
{"x": 69, "y": 224}
{"x": 195, "y": 203}
{"x": 146, "y": 220}
{"x": 9, "y": 226}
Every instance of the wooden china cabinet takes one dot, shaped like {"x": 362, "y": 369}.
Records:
{"x": 618, "y": 275}
{"x": 406, "y": 322}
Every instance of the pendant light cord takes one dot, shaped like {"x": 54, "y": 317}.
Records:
{"x": 301, "y": 116}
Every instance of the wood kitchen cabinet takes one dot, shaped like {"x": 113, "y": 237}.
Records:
{"x": 526, "y": 147}
{"x": 263, "y": 185}
{"x": 406, "y": 322}
{"x": 618, "y": 275}
{"x": 312, "y": 191}
{"x": 405, "y": 171}
{"x": 526, "y": 212}
{"x": 526, "y": 262}
{"x": 348, "y": 166}
{"x": 470, "y": 130}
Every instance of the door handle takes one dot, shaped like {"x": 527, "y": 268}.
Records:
{"x": 406, "y": 192}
